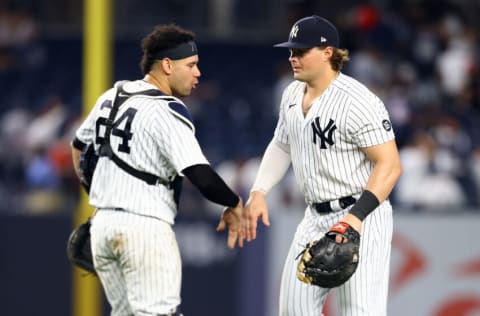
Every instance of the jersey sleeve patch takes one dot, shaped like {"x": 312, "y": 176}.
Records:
{"x": 181, "y": 112}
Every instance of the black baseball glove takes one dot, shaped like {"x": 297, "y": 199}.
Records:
{"x": 327, "y": 263}
{"x": 79, "y": 251}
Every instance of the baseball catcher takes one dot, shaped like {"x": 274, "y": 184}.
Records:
{"x": 331, "y": 260}
{"x": 79, "y": 251}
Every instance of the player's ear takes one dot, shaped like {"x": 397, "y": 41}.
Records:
{"x": 167, "y": 65}
{"x": 328, "y": 52}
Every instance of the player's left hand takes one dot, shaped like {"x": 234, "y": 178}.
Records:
{"x": 328, "y": 263}
{"x": 232, "y": 217}
{"x": 353, "y": 221}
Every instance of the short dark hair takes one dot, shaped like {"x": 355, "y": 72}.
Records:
{"x": 162, "y": 37}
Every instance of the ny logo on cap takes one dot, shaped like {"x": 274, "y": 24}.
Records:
{"x": 294, "y": 31}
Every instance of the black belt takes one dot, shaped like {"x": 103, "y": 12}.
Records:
{"x": 335, "y": 205}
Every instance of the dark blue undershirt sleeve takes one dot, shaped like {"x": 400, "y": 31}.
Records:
{"x": 211, "y": 185}
{"x": 78, "y": 144}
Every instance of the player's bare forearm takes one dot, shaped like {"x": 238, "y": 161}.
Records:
{"x": 232, "y": 218}
{"x": 386, "y": 171}
{"x": 255, "y": 207}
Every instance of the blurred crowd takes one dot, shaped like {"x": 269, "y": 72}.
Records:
{"x": 420, "y": 58}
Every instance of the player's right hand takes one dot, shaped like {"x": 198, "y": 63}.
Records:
{"x": 255, "y": 207}
{"x": 232, "y": 217}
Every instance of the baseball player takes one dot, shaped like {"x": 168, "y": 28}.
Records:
{"x": 144, "y": 150}
{"x": 339, "y": 139}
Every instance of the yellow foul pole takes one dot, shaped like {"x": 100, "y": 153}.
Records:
{"x": 97, "y": 77}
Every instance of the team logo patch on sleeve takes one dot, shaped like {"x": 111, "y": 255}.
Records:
{"x": 387, "y": 125}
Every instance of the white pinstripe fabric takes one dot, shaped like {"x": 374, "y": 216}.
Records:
{"x": 161, "y": 144}
{"x": 129, "y": 252}
{"x": 338, "y": 169}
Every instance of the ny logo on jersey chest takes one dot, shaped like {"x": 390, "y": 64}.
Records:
{"x": 325, "y": 134}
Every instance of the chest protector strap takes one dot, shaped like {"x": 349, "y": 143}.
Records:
{"x": 106, "y": 149}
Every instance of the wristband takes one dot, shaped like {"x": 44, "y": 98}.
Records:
{"x": 365, "y": 205}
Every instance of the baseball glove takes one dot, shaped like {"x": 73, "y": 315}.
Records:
{"x": 79, "y": 251}
{"x": 87, "y": 165}
{"x": 327, "y": 263}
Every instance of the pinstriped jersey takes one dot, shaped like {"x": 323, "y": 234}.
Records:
{"x": 150, "y": 136}
{"x": 325, "y": 146}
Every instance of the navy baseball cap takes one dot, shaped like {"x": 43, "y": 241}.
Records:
{"x": 312, "y": 31}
